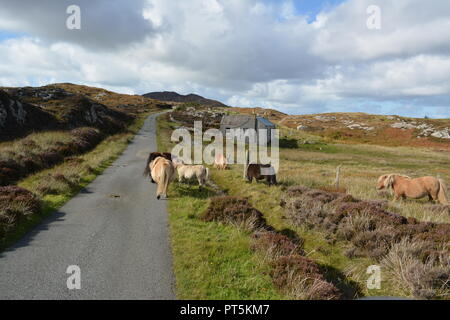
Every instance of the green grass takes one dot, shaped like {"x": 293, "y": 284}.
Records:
{"x": 211, "y": 260}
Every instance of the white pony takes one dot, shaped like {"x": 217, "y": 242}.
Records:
{"x": 191, "y": 171}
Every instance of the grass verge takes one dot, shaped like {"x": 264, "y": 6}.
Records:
{"x": 58, "y": 185}
{"x": 211, "y": 260}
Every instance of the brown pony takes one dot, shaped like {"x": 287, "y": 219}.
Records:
{"x": 151, "y": 158}
{"x": 163, "y": 172}
{"x": 261, "y": 172}
{"x": 406, "y": 187}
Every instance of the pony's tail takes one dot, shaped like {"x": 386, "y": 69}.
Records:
{"x": 147, "y": 167}
{"x": 442, "y": 195}
{"x": 165, "y": 180}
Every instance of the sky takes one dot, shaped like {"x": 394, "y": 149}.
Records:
{"x": 296, "y": 56}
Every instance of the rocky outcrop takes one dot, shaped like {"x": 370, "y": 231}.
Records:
{"x": 359, "y": 126}
{"x": 325, "y": 118}
{"x": 425, "y": 129}
{"x": 52, "y": 108}
{"x": 17, "y": 118}
{"x": 403, "y": 125}
{"x": 443, "y": 134}
{"x": 79, "y": 111}
{"x": 39, "y": 94}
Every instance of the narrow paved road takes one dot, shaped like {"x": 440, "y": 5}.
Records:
{"x": 115, "y": 231}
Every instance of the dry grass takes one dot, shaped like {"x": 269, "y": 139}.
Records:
{"x": 423, "y": 280}
{"x": 414, "y": 254}
{"x": 16, "y": 205}
{"x": 349, "y": 274}
{"x": 361, "y": 167}
{"x": 43, "y": 150}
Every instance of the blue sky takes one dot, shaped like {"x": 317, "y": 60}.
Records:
{"x": 5, "y": 35}
{"x": 310, "y": 7}
{"x": 239, "y": 53}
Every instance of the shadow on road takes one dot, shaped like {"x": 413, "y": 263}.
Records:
{"x": 28, "y": 238}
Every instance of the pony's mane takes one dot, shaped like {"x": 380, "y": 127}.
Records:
{"x": 400, "y": 175}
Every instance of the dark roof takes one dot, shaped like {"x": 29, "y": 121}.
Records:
{"x": 266, "y": 122}
{"x": 237, "y": 121}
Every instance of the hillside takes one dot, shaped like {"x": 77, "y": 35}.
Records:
{"x": 67, "y": 106}
{"x": 17, "y": 117}
{"x": 365, "y": 128}
{"x": 178, "y": 98}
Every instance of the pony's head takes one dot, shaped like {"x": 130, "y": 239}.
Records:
{"x": 386, "y": 181}
{"x": 177, "y": 162}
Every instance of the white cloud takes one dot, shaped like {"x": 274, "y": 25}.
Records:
{"x": 408, "y": 27}
{"x": 242, "y": 52}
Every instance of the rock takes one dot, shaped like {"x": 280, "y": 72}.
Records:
{"x": 443, "y": 134}
{"x": 403, "y": 126}
{"x": 357, "y": 126}
{"x": 17, "y": 117}
{"x": 325, "y": 118}
{"x": 303, "y": 128}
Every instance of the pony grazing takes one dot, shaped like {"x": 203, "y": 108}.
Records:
{"x": 151, "y": 158}
{"x": 261, "y": 172}
{"x": 220, "y": 162}
{"x": 406, "y": 187}
{"x": 163, "y": 172}
{"x": 190, "y": 171}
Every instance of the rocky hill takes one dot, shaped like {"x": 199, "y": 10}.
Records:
{"x": 178, "y": 98}
{"x": 365, "y": 128}
{"x": 67, "y": 106}
{"x": 18, "y": 117}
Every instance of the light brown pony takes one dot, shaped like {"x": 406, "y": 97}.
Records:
{"x": 220, "y": 162}
{"x": 406, "y": 187}
{"x": 163, "y": 173}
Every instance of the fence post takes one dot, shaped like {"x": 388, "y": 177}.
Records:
{"x": 338, "y": 177}
{"x": 247, "y": 160}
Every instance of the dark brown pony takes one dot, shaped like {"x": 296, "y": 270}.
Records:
{"x": 261, "y": 172}
{"x": 151, "y": 158}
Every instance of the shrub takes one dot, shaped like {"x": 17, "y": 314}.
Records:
{"x": 27, "y": 156}
{"x": 16, "y": 204}
{"x": 372, "y": 231}
{"x": 234, "y": 210}
{"x": 287, "y": 143}
{"x": 425, "y": 280}
{"x": 59, "y": 184}
{"x": 291, "y": 272}
{"x": 302, "y": 278}
{"x": 275, "y": 245}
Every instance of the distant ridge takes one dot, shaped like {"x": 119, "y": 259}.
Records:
{"x": 176, "y": 97}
